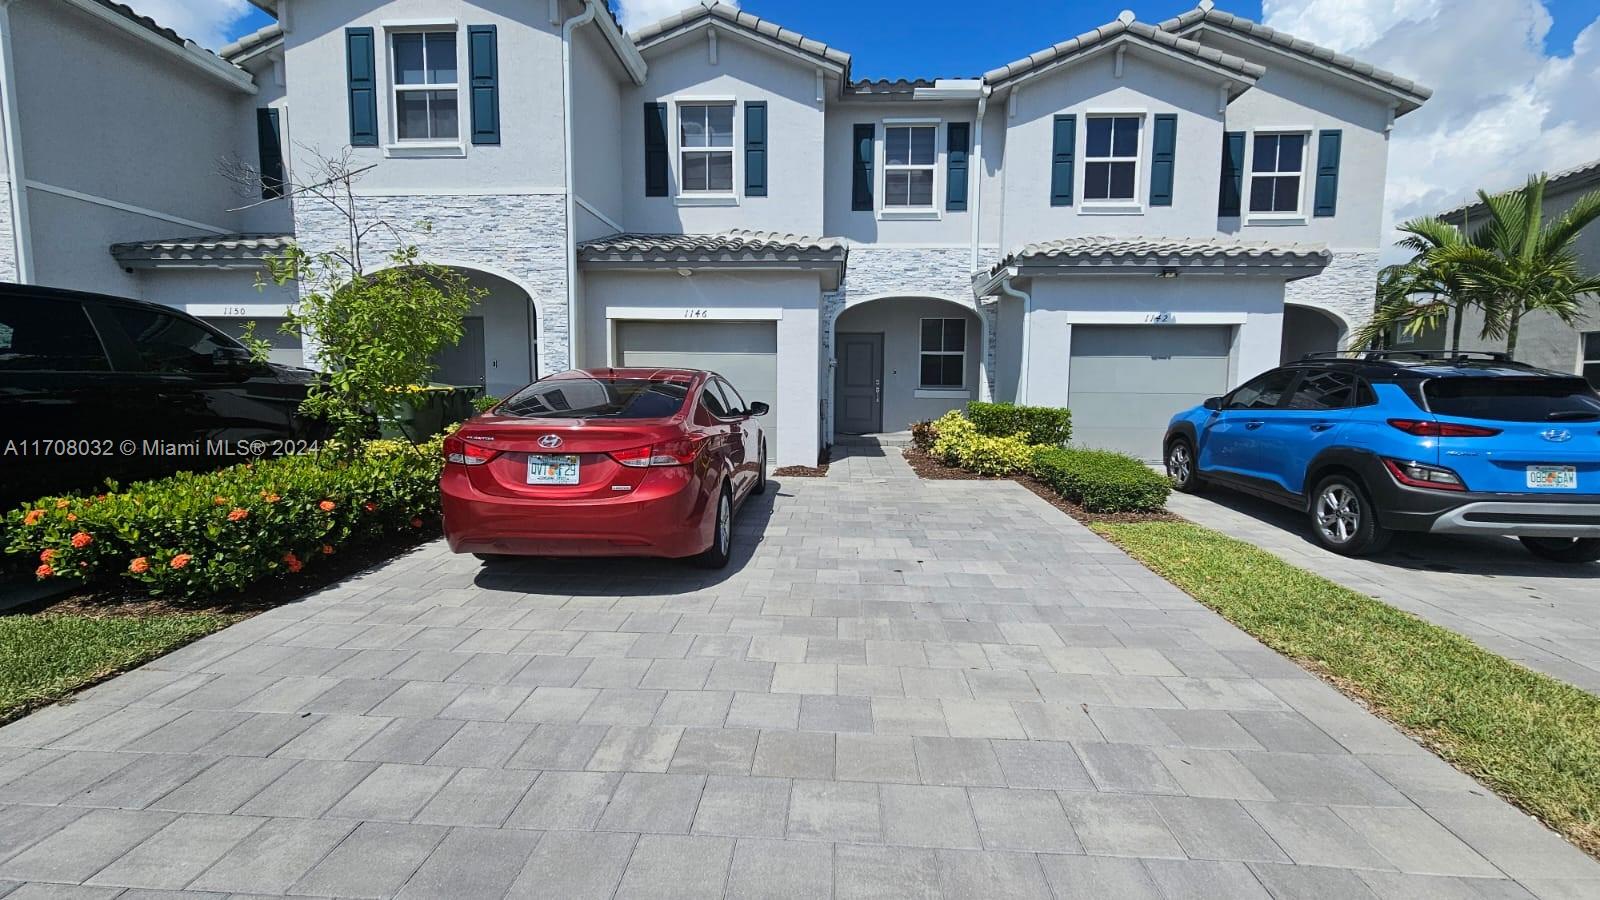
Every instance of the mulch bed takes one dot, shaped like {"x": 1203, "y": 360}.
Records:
{"x": 820, "y": 470}
{"x": 938, "y": 470}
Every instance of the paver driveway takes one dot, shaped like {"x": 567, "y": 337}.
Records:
{"x": 908, "y": 689}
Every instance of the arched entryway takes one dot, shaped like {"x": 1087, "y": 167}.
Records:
{"x": 904, "y": 359}
{"x": 1308, "y": 329}
{"x": 499, "y": 340}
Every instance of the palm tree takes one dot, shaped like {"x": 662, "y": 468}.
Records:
{"x": 1416, "y": 295}
{"x": 1517, "y": 263}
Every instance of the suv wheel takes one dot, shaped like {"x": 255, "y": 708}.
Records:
{"x": 1343, "y": 519}
{"x": 717, "y": 555}
{"x": 1181, "y": 468}
{"x": 1563, "y": 550}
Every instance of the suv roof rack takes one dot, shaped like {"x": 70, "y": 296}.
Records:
{"x": 1414, "y": 357}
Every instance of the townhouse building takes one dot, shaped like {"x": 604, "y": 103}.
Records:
{"x": 1125, "y": 222}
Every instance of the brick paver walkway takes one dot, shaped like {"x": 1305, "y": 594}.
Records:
{"x": 901, "y": 688}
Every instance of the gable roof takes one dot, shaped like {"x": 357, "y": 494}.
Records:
{"x": 707, "y": 11}
{"x": 264, "y": 38}
{"x": 1410, "y": 94}
{"x": 1561, "y": 182}
{"x": 1123, "y": 28}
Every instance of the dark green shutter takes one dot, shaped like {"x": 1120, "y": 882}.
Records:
{"x": 1232, "y": 173}
{"x": 863, "y": 137}
{"x": 1065, "y": 140}
{"x": 1163, "y": 153}
{"x": 958, "y": 145}
{"x": 269, "y": 149}
{"x": 655, "y": 150}
{"x": 362, "y": 80}
{"x": 484, "y": 65}
{"x": 1327, "y": 198}
{"x": 755, "y": 148}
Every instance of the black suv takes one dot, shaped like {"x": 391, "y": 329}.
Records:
{"x": 95, "y": 387}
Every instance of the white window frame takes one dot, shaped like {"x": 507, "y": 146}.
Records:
{"x": 681, "y": 196}
{"x": 1284, "y": 217}
{"x": 934, "y": 209}
{"x": 409, "y": 147}
{"x": 966, "y": 336}
{"x": 1113, "y": 206}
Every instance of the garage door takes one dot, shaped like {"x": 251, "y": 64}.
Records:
{"x": 1126, "y": 381}
{"x": 285, "y": 348}
{"x": 745, "y": 353}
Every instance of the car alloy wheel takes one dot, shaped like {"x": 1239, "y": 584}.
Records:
{"x": 1339, "y": 513}
{"x": 1180, "y": 464}
{"x": 724, "y": 523}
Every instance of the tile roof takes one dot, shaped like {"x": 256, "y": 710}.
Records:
{"x": 726, "y": 246}
{"x": 1123, "y": 25}
{"x": 888, "y": 86}
{"x": 751, "y": 22}
{"x": 200, "y": 248}
{"x": 1122, "y": 251}
{"x": 1207, "y": 13}
{"x": 1575, "y": 177}
{"x": 251, "y": 42}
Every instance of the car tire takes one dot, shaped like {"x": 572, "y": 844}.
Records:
{"x": 761, "y": 473}
{"x": 1344, "y": 520}
{"x": 717, "y": 555}
{"x": 1182, "y": 469}
{"x": 1563, "y": 550}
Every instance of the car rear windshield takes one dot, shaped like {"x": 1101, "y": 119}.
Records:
{"x": 1514, "y": 399}
{"x": 597, "y": 398}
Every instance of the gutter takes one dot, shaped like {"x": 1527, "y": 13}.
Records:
{"x": 567, "y": 28}
{"x": 1027, "y": 330}
{"x": 12, "y": 137}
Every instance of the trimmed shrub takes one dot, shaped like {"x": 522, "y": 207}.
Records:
{"x": 1101, "y": 481}
{"x": 1042, "y": 424}
{"x": 959, "y": 444}
{"x": 922, "y": 435}
{"x": 197, "y": 534}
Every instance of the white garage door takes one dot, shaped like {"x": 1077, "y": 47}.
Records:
{"x": 1126, "y": 381}
{"x": 286, "y": 349}
{"x": 745, "y": 353}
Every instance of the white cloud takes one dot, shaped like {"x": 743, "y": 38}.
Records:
{"x": 636, "y": 14}
{"x": 206, "y": 22}
{"x": 1501, "y": 108}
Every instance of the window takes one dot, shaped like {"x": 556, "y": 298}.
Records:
{"x": 1111, "y": 158}
{"x": 1326, "y": 390}
{"x": 48, "y": 336}
{"x": 909, "y": 154}
{"x": 168, "y": 343}
{"x": 731, "y": 397}
{"x": 1277, "y": 162}
{"x": 1263, "y": 392}
{"x": 1515, "y": 399}
{"x": 597, "y": 398}
{"x": 944, "y": 353}
{"x": 425, "y": 86}
{"x": 705, "y": 141}
{"x": 1591, "y": 358}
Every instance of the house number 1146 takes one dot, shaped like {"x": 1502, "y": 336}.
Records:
{"x": 696, "y": 314}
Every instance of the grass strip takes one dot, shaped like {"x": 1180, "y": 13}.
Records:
{"x": 47, "y": 656}
{"x": 1532, "y": 739}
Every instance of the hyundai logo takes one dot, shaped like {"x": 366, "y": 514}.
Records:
{"x": 1556, "y": 435}
{"x": 550, "y": 441}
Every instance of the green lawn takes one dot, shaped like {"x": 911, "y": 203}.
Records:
{"x": 48, "y": 656}
{"x": 1531, "y": 738}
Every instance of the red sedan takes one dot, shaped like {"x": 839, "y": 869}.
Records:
{"x": 606, "y": 462}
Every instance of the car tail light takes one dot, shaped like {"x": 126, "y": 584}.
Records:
{"x": 466, "y": 453}
{"x": 1422, "y": 475}
{"x": 1431, "y": 428}
{"x": 676, "y": 452}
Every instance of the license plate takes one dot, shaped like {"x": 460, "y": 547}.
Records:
{"x": 544, "y": 468}
{"x": 1553, "y": 477}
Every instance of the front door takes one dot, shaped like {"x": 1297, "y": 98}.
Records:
{"x": 463, "y": 364}
{"x": 858, "y": 384}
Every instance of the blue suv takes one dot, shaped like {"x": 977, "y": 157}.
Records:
{"x": 1373, "y": 442}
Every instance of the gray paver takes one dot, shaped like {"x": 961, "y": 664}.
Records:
{"x": 374, "y": 861}
{"x": 675, "y": 866}
{"x": 173, "y": 856}
{"x": 781, "y": 870}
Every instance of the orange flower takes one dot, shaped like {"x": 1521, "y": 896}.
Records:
{"x": 72, "y": 517}
{"x": 369, "y": 506}
{"x": 238, "y": 514}
{"x": 326, "y": 506}
{"x": 81, "y": 540}
{"x": 47, "y": 556}
{"x": 140, "y": 565}
{"x": 269, "y": 497}
{"x": 293, "y": 562}
{"x": 33, "y": 517}
{"x": 416, "y": 521}
{"x": 62, "y": 504}
{"x": 219, "y": 500}
{"x": 44, "y": 571}
{"x": 181, "y": 560}
{"x": 327, "y": 549}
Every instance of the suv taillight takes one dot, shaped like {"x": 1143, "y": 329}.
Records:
{"x": 1422, "y": 475}
{"x": 1431, "y": 428}
{"x": 677, "y": 452}
{"x": 466, "y": 453}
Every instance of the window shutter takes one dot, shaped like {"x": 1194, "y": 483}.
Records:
{"x": 755, "y": 148}
{"x": 1232, "y": 173}
{"x": 269, "y": 150}
{"x": 655, "y": 150}
{"x": 1163, "y": 154}
{"x": 484, "y": 63}
{"x": 1066, "y": 138}
{"x": 958, "y": 146}
{"x": 861, "y": 167}
{"x": 1327, "y": 198}
{"x": 362, "y": 80}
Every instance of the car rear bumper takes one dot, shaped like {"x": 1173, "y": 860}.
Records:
{"x": 1522, "y": 518}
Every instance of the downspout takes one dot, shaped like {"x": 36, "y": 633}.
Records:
{"x": 1027, "y": 328}
{"x": 977, "y": 187}
{"x": 22, "y": 235}
{"x": 567, "y": 28}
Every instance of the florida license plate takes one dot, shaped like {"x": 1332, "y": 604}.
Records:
{"x": 1553, "y": 477}
{"x": 544, "y": 468}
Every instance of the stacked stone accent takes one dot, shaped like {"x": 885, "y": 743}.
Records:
{"x": 1346, "y": 288}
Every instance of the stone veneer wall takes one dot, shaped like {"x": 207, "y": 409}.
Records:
{"x": 8, "y": 236}
{"x": 520, "y": 235}
{"x": 1346, "y": 288}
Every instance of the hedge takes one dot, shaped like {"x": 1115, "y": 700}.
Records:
{"x": 201, "y": 533}
{"x": 1101, "y": 481}
{"x": 1048, "y": 425}
{"x": 958, "y": 443}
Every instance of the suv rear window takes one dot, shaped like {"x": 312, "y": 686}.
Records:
{"x": 597, "y": 398}
{"x": 48, "y": 336}
{"x": 1513, "y": 399}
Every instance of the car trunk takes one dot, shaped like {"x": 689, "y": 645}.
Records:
{"x": 1548, "y": 439}
{"x": 526, "y": 465}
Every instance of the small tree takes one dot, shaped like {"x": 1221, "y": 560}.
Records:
{"x": 1422, "y": 293}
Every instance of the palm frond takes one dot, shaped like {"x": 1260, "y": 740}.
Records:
{"x": 1559, "y": 234}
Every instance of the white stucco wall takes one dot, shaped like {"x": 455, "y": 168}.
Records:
{"x": 597, "y": 121}
{"x": 945, "y": 228}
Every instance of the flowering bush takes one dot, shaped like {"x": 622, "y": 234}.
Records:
{"x": 195, "y": 534}
{"x": 958, "y": 443}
